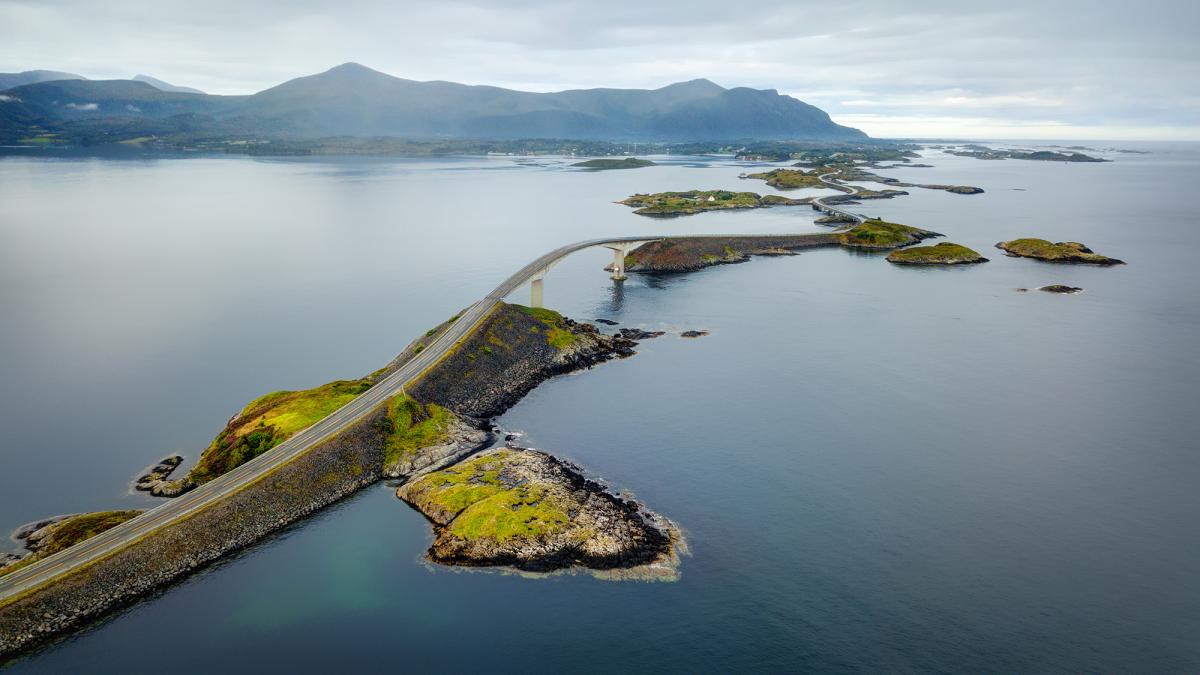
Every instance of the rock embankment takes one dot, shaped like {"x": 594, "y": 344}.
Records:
{"x": 524, "y": 509}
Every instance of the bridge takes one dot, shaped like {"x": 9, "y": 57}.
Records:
{"x": 46, "y": 570}
{"x": 820, "y": 205}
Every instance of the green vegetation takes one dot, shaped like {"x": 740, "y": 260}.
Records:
{"x": 559, "y": 335}
{"x": 70, "y": 531}
{"x": 791, "y": 179}
{"x": 606, "y": 164}
{"x": 410, "y": 426}
{"x": 881, "y": 234}
{"x": 488, "y": 507}
{"x": 268, "y": 421}
{"x": 944, "y": 253}
{"x": 1061, "y": 252}
{"x": 697, "y": 201}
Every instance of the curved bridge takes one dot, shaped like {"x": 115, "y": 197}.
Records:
{"x": 100, "y": 546}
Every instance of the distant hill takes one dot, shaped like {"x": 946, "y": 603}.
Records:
{"x": 353, "y": 100}
{"x": 165, "y": 86}
{"x": 10, "y": 80}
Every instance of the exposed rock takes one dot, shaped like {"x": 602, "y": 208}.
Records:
{"x": 693, "y": 333}
{"x": 880, "y": 234}
{"x": 639, "y": 334}
{"x": 1060, "y": 288}
{"x": 154, "y": 476}
{"x": 607, "y": 322}
{"x": 458, "y": 441}
{"x": 687, "y": 254}
{"x": 520, "y": 508}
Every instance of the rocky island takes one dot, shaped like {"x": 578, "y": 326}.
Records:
{"x": 944, "y": 253}
{"x": 606, "y": 164}
{"x": 880, "y": 234}
{"x": 984, "y": 152}
{"x": 791, "y": 179}
{"x": 670, "y": 204}
{"x": 524, "y": 509}
{"x": 1061, "y": 252}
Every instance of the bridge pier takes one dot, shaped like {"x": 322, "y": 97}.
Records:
{"x": 618, "y": 265}
{"x": 535, "y": 292}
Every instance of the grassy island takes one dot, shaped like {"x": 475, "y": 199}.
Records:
{"x": 667, "y": 204}
{"x": 944, "y": 253}
{"x": 526, "y": 509}
{"x": 882, "y": 234}
{"x": 270, "y": 420}
{"x": 608, "y": 164}
{"x": 791, "y": 179}
{"x": 1061, "y": 252}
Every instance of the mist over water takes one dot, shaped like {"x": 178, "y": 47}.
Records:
{"x": 877, "y": 468}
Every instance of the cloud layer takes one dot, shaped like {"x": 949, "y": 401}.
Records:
{"x": 1018, "y": 69}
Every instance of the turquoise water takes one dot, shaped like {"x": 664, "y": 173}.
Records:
{"x": 877, "y": 468}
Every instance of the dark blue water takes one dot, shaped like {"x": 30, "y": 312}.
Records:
{"x": 877, "y": 468}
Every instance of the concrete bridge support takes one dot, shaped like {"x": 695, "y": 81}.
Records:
{"x": 535, "y": 292}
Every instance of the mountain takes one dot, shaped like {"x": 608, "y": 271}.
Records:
{"x": 10, "y": 80}
{"x": 165, "y": 86}
{"x": 353, "y": 100}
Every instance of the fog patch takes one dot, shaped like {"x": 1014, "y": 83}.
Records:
{"x": 5, "y": 98}
{"x": 84, "y": 106}
{"x": 132, "y": 108}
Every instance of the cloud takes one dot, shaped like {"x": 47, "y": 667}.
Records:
{"x": 84, "y": 106}
{"x": 1092, "y": 65}
{"x": 5, "y": 98}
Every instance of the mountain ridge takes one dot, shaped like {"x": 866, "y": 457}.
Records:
{"x": 353, "y": 100}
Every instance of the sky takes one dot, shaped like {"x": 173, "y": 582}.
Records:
{"x": 1020, "y": 69}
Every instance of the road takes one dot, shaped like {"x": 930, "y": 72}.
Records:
{"x": 174, "y": 510}
{"x": 824, "y": 178}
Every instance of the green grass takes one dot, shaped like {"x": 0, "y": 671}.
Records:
{"x": 602, "y": 164}
{"x": 942, "y": 253}
{"x": 1063, "y": 251}
{"x": 486, "y": 507}
{"x": 558, "y": 334}
{"x": 268, "y": 421}
{"x": 879, "y": 234}
{"x": 525, "y": 511}
{"x": 412, "y": 426}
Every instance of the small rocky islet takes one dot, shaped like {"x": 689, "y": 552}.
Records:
{"x": 671, "y": 204}
{"x": 527, "y": 510}
{"x": 1071, "y": 252}
{"x": 944, "y": 253}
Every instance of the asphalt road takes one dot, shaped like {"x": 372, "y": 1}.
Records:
{"x": 824, "y": 178}
{"x": 90, "y": 550}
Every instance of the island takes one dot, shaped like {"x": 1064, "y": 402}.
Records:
{"x": 527, "y": 510}
{"x": 609, "y": 164}
{"x": 984, "y": 152}
{"x": 880, "y": 234}
{"x": 1062, "y": 252}
{"x": 944, "y": 253}
{"x": 671, "y": 204}
{"x": 1062, "y": 289}
{"x": 791, "y": 179}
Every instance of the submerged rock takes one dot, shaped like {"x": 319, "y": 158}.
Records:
{"x": 693, "y": 333}
{"x": 639, "y": 334}
{"x": 607, "y": 322}
{"x": 1060, "y": 288}
{"x": 525, "y": 509}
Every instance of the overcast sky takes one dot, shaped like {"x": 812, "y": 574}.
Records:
{"x": 1012, "y": 69}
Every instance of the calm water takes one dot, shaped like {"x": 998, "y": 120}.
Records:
{"x": 878, "y": 468}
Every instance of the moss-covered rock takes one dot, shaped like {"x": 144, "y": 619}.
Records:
{"x": 1061, "y": 252}
{"x": 520, "y": 508}
{"x": 791, "y": 179}
{"x": 880, "y": 234}
{"x": 686, "y": 254}
{"x": 419, "y": 436}
{"x": 944, "y": 253}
